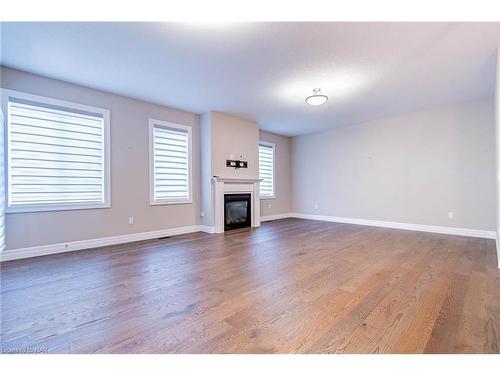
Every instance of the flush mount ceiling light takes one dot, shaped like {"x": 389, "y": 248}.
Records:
{"x": 317, "y": 98}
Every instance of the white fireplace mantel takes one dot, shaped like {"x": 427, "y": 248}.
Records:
{"x": 229, "y": 180}
{"x": 223, "y": 185}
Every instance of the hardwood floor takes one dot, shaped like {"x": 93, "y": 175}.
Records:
{"x": 290, "y": 286}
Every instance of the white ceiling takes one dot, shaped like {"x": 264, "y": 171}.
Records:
{"x": 264, "y": 71}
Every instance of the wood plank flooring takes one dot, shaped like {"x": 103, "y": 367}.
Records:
{"x": 290, "y": 286}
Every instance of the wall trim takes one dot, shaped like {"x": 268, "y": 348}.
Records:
{"x": 406, "y": 226}
{"x": 276, "y": 216}
{"x": 207, "y": 229}
{"x": 498, "y": 249}
{"x": 28, "y": 252}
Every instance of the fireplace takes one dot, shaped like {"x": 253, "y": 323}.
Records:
{"x": 237, "y": 211}
{"x": 246, "y": 188}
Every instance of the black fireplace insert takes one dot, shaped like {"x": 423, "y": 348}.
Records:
{"x": 237, "y": 211}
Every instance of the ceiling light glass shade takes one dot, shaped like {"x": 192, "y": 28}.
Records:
{"x": 317, "y": 98}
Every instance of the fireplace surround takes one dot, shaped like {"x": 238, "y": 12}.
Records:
{"x": 224, "y": 186}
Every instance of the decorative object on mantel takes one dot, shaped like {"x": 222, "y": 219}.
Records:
{"x": 236, "y": 164}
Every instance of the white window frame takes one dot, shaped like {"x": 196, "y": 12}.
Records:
{"x": 6, "y": 96}
{"x": 173, "y": 126}
{"x": 270, "y": 144}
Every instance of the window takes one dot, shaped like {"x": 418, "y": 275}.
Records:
{"x": 170, "y": 163}
{"x": 57, "y": 154}
{"x": 266, "y": 169}
{"x": 2, "y": 187}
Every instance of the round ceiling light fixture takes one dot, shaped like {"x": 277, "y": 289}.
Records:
{"x": 317, "y": 98}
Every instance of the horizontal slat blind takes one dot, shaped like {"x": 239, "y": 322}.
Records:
{"x": 266, "y": 170}
{"x": 56, "y": 156}
{"x": 2, "y": 187}
{"x": 170, "y": 164}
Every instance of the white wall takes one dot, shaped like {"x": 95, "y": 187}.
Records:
{"x": 129, "y": 171}
{"x": 413, "y": 168}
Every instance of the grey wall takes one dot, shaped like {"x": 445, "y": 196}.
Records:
{"x": 225, "y": 137}
{"x": 206, "y": 169}
{"x": 129, "y": 171}
{"x": 282, "y": 176}
{"x": 233, "y": 137}
{"x": 217, "y": 137}
{"x": 413, "y": 168}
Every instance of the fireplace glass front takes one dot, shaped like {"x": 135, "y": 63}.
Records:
{"x": 237, "y": 211}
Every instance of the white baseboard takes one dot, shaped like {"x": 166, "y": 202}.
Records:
{"x": 406, "y": 226}
{"x": 498, "y": 250}
{"x": 28, "y": 252}
{"x": 207, "y": 229}
{"x": 275, "y": 217}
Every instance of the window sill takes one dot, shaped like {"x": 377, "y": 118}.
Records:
{"x": 263, "y": 198}
{"x": 161, "y": 203}
{"x": 28, "y": 209}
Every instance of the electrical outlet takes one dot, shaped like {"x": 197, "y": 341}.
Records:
{"x": 202, "y": 214}
{"x": 451, "y": 215}
{"x": 131, "y": 220}
{"x": 315, "y": 206}
{"x": 269, "y": 205}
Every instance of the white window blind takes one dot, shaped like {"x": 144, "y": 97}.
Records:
{"x": 266, "y": 170}
{"x": 2, "y": 187}
{"x": 170, "y": 162}
{"x": 56, "y": 157}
